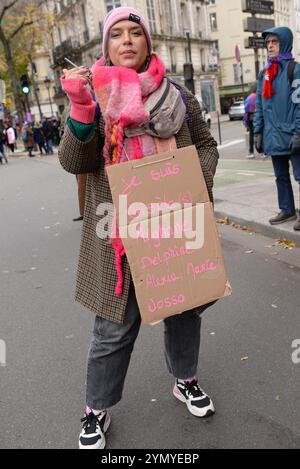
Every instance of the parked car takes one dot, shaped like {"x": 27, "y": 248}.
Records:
{"x": 205, "y": 114}
{"x": 237, "y": 110}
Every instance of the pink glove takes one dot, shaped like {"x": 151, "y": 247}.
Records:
{"x": 82, "y": 105}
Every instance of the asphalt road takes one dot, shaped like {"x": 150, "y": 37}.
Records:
{"x": 233, "y": 140}
{"x": 246, "y": 352}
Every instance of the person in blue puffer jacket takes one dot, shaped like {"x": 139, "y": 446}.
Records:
{"x": 277, "y": 118}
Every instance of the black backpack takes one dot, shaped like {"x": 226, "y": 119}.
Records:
{"x": 291, "y": 68}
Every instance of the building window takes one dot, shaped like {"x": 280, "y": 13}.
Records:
{"x": 202, "y": 60}
{"x": 208, "y": 95}
{"x": 110, "y": 4}
{"x": 198, "y": 19}
{"x": 237, "y": 74}
{"x": 184, "y": 18}
{"x": 151, "y": 15}
{"x": 215, "y": 45}
{"x": 173, "y": 60}
{"x": 213, "y": 21}
{"x": 168, "y": 17}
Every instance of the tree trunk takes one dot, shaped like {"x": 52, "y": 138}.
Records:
{"x": 35, "y": 92}
{"x": 12, "y": 73}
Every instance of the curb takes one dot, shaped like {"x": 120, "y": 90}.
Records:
{"x": 266, "y": 230}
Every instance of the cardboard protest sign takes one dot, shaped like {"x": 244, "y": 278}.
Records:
{"x": 169, "y": 232}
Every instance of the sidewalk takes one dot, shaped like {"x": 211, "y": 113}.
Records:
{"x": 252, "y": 204}
{"x": 223, "y": 118}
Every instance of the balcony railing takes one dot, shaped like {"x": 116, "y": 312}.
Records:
{"x": 65, "y": 47}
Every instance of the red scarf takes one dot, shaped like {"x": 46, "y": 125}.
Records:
{"x": 270, "y": 75}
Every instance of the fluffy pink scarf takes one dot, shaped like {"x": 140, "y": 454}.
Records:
{"x": 121, "y": 93}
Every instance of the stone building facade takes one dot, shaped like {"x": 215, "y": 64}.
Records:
{"x": 78, "y": 36}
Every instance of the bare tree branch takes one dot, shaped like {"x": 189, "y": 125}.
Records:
{"x": 7, "y": 7}
{"x": 22, "y": 25}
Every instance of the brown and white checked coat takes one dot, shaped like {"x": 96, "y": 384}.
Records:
{"x": 96, "y": 276}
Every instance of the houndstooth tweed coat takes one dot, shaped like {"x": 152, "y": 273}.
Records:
{"x": 96, "y": 276}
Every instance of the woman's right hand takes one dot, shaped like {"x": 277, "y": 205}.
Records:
{"x": 82, "y": 72}
{"x": 75, "y": 83}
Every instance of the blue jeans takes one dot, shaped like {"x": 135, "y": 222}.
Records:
{"x": 49, "y": 146}
{"x": 112, "y": 344}
{"x": 281, "y": 166}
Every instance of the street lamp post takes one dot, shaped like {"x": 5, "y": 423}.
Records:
{"x": 47, "y": 82}
{"x": 188, "y": 69}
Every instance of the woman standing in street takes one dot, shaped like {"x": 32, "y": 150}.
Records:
{"x": 123, "y": 79}
{"x": 27, "y": 137}
{"x": 11, "y": 138}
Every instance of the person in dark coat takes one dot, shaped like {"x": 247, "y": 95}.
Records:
{"x": 39, "y": 138}
{"x": 27, "y": 137}
{"x": 2, "y": 142}
{"x": 48, "y": 130}
{"x": 249, "y": 118}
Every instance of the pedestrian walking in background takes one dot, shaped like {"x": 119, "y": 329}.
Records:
{"x": 277, "y": 119}
{"x": 39, "y": 138}
{"x": 123, "y": 78}
{"x": 56, "y": 131}
{"x": 48, "y": 130}
{"x": 2, "y": 144}
{"x": 249, "y": 118}
{"x": 27, "y": 137}
{"x": 11, "y": 138}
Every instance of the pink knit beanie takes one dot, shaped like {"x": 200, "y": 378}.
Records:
{"x": 124, "y": 13}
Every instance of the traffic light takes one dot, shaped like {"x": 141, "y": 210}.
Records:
{"x": 24, "y": 84}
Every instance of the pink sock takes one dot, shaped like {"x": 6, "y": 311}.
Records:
{"x": 88, "y": 411}
{"x": 189, "y": 380}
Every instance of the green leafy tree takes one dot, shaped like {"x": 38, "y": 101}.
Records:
{"x": 21, "y": 29}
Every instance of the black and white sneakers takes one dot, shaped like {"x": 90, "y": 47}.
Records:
{"x": 94, "y": 426}
{"x": 93, "y": 431}
{"x": 197, "y": 401}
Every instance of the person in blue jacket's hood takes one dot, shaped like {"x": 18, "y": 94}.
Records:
{"x": 277, "y": 118}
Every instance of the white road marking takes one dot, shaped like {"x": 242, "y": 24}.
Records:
{"x": 231, "y": 143}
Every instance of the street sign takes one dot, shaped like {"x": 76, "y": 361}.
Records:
{"x": 255, "y": 43}
{"x": 258, "y": 25}
{"x": 257, "y": 6}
